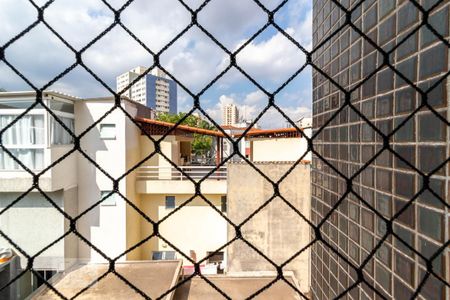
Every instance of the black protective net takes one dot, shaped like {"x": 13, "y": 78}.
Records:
{"x": 341, "y": 16}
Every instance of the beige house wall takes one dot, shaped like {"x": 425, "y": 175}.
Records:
{"x": 276, "y": 230}
{"x": 196, "y": 226}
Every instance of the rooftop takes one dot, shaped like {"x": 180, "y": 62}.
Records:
{"x": 161, "y": 274}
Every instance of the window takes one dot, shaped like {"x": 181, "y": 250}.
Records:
{"x": 110, "y": 201}
{"x": 164, "y": 255}
{"x": 216, "y": 257}
{"x": 25, "y": 140}
{"x": 223, "y": 204}
{"x": 170, "y": 202}
{"x": 28, "y": 130}
{"x": 62, "y": 106}
{"x": 59, "y": 135}
{"x": 108, "y": 131}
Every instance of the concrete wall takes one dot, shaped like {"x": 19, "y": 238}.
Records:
{"x": 33, "y": 223}
{"x": 276, "y": 230}
{"x": 279, "y": 149}
{"x": 196, "y": 226}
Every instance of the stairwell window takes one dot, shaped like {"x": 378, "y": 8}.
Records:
{"x": 170, "y": 202}
{"x": 108, "y": 131}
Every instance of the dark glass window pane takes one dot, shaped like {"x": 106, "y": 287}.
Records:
{"x": 407, "y": 217}
{"x": 405, "y": 100}
{"x": 428, "y": 249}
{"x": 430, "y": 157}
{"x": 407, "y": 47}
{"x": 433, "y": 61}
{"x": 404, "y": 184}
{"x": 407, "y": 237}
{"x": 367, "y": 219}
{"x": 384, "y": 106}
{"x": 170, "y": 201}
{"x": 430, "y": 223}
{"x": 383, "y": 277}
{"x": 404, "y": 268}
{"x": 433, "y": 288}
{"x": 384, "y": 204}
{"x": 408, "y": 69}
{"x": 401, "y": 292}
{"x": 406, "y": 16}
{"x": 438, "y": 95}
{"x": 408, "y": 153}
{"x": 387, "y": 30}
{"x": 367, "y": 240}
{"x": 406, "y": 132}
{"x": 370, "y": 18}
{"x": 437, "y": 186}
{"x": 384, "y": 180}
{"x": 439, "y": 21}
{"x": 431, "y": 128}
{"x": 385, "y": 7}
{"x": 367, "y": 133}
{"x": 385, "y": 80}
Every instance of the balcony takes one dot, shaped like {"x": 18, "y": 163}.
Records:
{"x": 167, "y": 179}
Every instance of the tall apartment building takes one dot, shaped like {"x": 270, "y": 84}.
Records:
{"x": 155, "y": 90}
{"x": 230, "y": 114}
{"x": 348, "y": 142}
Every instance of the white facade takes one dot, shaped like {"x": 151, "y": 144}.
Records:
{"x": 270, "y": 149}
{"x": 230, "y": 115}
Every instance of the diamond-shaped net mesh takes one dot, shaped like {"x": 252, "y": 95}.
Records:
{"x": 380, "y": 71}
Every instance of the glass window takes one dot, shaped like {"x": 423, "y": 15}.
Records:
{"x": 430, "y": 157}
{"x": 108, "y": 131}
{"x": 431, "y": 128}
{"x": 28, "y": 130}
{"x": 62, "y": 106}
{"x": 31, "y": 158}
{"x": 170, "y": 201}
{"x": 110, "y": 201}
{"x": 430, "y": 223}
{"x": 404, "y": 268}
{"x": 59, "y": 135}
{"x": 223, "y": 204}
{"x": 163, "y": 255}
{"x": 383, "y": 277}
{"x": 17, "y": 104}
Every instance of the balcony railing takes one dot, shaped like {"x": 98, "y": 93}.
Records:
{"x": 171, "y": 173}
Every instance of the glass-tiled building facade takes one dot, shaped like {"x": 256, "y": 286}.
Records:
{"x": 348, "y": 143}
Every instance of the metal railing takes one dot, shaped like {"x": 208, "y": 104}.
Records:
{"x": 171, "y": 173}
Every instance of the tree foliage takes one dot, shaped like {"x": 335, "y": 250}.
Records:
{"x": 201, "y": 143}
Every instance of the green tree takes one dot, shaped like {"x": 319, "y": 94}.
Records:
{"x": 2, "y": 90}
{"x": 201, "y": 143}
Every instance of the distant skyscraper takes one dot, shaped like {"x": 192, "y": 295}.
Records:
{"x": 230, "y": 114}
{"x": 389, "y": 185}
{"x": 154, "y": 90}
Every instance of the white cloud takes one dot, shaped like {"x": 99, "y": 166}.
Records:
{"x": 271, "y": 118}
{"x": 255, "y": 97}
{"x": 193, "y": 59}
{"x": 271, "y": 61}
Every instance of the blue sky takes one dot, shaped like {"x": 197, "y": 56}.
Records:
{"x": 193, "y": 59}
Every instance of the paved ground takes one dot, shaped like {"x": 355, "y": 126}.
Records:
{"x": 235, "y": 288}
{"x": 161, "y": 275}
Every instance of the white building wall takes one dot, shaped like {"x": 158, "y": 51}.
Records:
{"x": 104, "y": 226}
{"x": 279, "y": 149}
